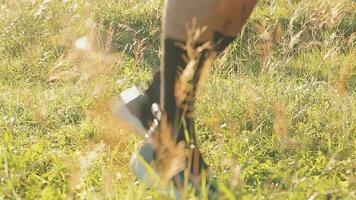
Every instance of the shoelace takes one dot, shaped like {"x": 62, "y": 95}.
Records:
{"x": 156, "y": 112}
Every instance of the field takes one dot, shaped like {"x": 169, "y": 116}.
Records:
{"x": 276, "y": 114}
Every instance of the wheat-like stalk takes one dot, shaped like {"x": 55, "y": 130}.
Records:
{"x": 186, "y": 83}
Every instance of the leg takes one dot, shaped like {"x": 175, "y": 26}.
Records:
{"x": 222, "y": 25}
{"x": 175, "y": 31}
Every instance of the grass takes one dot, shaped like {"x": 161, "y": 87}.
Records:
{"x": 276, "y": 116}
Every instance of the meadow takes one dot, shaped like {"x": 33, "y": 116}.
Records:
{"x": 276, "y": 113}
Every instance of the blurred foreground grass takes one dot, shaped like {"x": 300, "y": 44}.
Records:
{"x": 276, "y": 117}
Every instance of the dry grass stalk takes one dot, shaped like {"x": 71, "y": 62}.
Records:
{"x": 109, "y": 37}
{"x": 171, "y": 156}
{"x": 89, "y": 61}
{"x": 90, "y": 58}
{"x": 91, "y": 70}
{"x": 346, "y": 70}
{"x": 281, "y": 123}
{"x": 184, "y": 88}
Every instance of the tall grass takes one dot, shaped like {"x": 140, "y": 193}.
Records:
{"x": 276, "y": 116}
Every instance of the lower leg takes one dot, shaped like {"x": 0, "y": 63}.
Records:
{"x": 173, "y": 60}
{"x": 173, "y": 63}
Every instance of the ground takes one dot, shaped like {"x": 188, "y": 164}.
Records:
{"x": 276, "y": 114}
